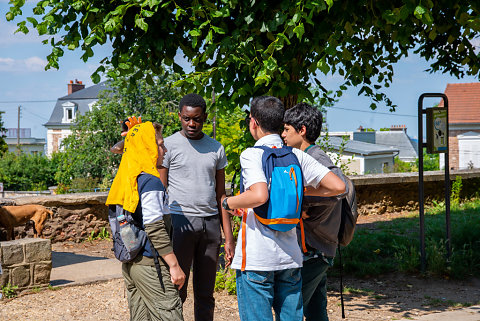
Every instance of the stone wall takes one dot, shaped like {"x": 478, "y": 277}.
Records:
{"x": 378, "y": 194}
{"x": 26, "y": 263}
{"x": 76, "y": 216}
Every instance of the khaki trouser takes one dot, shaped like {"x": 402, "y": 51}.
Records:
{"x": 146, "y": 298}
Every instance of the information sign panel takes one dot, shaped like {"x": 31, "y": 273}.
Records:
{"x": 437, "y": 135}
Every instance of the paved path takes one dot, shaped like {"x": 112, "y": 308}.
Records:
{"x": 75, "y": 269}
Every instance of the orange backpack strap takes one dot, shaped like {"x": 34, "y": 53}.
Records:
{"x": 302, "y": 236}
{"x": 244, "y": 241}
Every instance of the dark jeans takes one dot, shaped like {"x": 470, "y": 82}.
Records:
{"x": 314, "y": 288}
{"x": 196, "y": 240}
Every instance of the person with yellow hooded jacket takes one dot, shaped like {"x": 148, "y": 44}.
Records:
{"x": 138, "y": 189}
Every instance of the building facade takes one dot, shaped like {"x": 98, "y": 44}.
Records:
{"x": 78, "y": 101}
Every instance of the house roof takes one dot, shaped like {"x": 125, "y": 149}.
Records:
{"x": 463, "y": 103}
{"x": 361, "y": 148}
{"x": 398, "y": 139}
{"x": 81, "y": 99}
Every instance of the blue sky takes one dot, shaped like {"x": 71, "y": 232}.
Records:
{"x": 23, "y": 81}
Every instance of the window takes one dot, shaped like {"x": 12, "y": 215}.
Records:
{"x": 69, "y": 110}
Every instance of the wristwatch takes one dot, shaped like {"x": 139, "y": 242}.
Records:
{"x": 225, "y": 204}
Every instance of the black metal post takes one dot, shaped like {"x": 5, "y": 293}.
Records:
{"x": 421, "y": 209}
{"x": 447, "y": 185}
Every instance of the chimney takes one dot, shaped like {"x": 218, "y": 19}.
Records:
{"x": 75, "y": 86}
{"x": 402, "y": 128}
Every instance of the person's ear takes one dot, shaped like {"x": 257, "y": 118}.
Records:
{"x": 179, "y": 117}
{"x": 205, "y": 117}
{"x": 303, "y": 131}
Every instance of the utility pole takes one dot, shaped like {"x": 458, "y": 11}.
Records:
{"x": 18, "y": 130}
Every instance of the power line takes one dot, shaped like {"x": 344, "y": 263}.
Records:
{"x": 26, "y": 101}
{"x": 371, "y": 112}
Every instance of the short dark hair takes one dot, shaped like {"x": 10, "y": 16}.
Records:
{"x": 124, "y": 125}
{"x": 193, "y": 100}
{"x": 268, "y": 111}
{"x": 303, "y": 114}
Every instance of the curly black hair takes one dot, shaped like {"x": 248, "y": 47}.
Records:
{"x": 303, "y": 114}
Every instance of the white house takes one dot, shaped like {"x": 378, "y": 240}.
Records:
{"x": 26, "y": 143}
{"x": 464, "y": 125}
{"x": 79, "y": 100}
{"x": 360, "y": 157}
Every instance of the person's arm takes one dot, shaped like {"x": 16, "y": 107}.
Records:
{"x": 229, "y": 246}
{"x": 330, "y": 185}
{"x": 158, "y": 235}
{"x": 118, "y": 147}
{"x": 254, "y": 196}
{"x": 163, "y": 171}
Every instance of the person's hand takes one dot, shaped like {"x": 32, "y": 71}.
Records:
{"x": 305, "y": 215}
{"x": 229, "y": 248}
{"x": 177, "y": 276}
{"x": 132, "y": 121}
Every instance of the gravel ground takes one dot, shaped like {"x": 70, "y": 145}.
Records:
{"x": 387, "y": 298}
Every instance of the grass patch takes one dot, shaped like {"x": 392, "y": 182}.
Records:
{"x": 436, "y": 302}
{"x": 394, "y": 246}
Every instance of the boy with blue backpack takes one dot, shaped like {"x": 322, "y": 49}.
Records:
{"x": 267, "y": 256}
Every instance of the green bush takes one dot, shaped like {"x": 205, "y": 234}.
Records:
{"x": 27, "y": 172}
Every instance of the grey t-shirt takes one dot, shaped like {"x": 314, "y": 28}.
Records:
{"x": 192, "y": 165}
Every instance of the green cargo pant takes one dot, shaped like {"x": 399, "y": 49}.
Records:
{"x": 146, "y": 298}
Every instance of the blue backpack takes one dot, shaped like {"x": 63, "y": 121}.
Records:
{"x": 282, "y": 211}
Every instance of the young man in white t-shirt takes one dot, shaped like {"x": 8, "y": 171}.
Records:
{"x": 268, "y": 268}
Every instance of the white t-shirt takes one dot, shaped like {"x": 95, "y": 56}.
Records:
{"x": 266, "y": 249}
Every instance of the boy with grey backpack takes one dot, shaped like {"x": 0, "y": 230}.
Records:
{"x": 328, "y": 222}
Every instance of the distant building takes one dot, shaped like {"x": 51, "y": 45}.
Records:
{"x": 395, "y": 138}
{"x": 464, "y": 125}
{"x": 78, "y": 101}
{"x": 28, "y": 144}
{"x": 362, "y": 158}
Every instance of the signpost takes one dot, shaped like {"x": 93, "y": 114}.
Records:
{"x": 437, "y": 142}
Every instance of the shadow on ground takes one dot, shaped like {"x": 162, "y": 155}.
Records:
{"x": 67, "y": 258}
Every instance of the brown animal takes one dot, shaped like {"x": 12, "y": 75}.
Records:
{"x": 11, "y": 216}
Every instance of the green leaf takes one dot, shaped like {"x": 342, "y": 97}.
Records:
{"x": 218, "y": 30}
{"x": 33, "y": 21}
{"x": 348, "y": 28}
{"x": 271, "y": 64}
{"x": 323, "y": 66}
{"x": 419, "y": 11}
{"x": 140, "y": 23}
{"x": 249, "y": 19}
{"x": 147, "y": 13}
{"x": 95, "y": 78}
{"x": 299, "y": 31}
{"x": 195, "y": 33}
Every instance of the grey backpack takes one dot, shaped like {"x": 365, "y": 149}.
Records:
{"x": 129, "y": 238}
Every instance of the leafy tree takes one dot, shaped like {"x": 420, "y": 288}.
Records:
{"x": 3, "y": 144}
{"x": 245, "y": 48}
{"x": 87, "y": 149}
{"x": 431, "y": 162}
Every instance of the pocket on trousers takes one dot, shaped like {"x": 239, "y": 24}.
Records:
{"x": 259, "y": 277}
{"x": 294, "y": 275}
